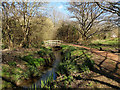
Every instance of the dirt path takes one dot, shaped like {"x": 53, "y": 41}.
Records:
{"x": 106, "y": 69}
{"x": 102, "y": 53}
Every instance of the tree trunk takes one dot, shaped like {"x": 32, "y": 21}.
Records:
{"x": 25, "y": 42}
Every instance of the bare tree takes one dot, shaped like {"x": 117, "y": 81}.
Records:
{"x": 113, "y": 7}
{"x": 88, "y": 15}
{"x": 23, "y": 13}
{"x": 6, "y": 22}
{"x": 27, "y": 10}
{"x": 57, "y": 16}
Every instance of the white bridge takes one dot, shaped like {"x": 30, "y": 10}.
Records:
{"x": 53, "y": 43}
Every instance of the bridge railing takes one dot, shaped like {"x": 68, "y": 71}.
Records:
{"x": 53, "y": 42}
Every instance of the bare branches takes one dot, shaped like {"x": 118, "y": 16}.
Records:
{"x": 86, "y": 13}
{"x": 113, "y": 7}
{"x": 17, "y": 17}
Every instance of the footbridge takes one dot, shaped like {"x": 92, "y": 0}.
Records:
{"x": 53, "y": 43}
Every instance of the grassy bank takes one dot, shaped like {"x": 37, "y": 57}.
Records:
{"x": 21, "y": 68}
{"x": 110, "y": 45}
{"x": 75, "y": 64}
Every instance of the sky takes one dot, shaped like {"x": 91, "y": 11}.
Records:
{"x": 60, "y": 7}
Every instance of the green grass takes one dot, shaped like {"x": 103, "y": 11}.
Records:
{"x": 12, "y": 63}
{"x": 29, "y": 65}
{"x": 107, "y": 41}
{"x": 6, "y": 85}
{"x": 107, "y": 44}
{"x": 70, "y": 65}
{"x": 44, "y": 84}
{"x": 67, "y": 67}
{"x": 33, "y": 61}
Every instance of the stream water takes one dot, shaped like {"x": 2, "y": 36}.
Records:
{"x": 47, "y": 73}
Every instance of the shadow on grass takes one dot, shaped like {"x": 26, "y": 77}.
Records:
{"x": 102, "y": 69}
{"x": 95, "y": 80}
{"x": 114, "y": 70}
{"x": 114, "y": 47}
{"x": 112, "y": 74}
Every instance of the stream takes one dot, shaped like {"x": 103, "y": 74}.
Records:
{"x": 47, "y": 73}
